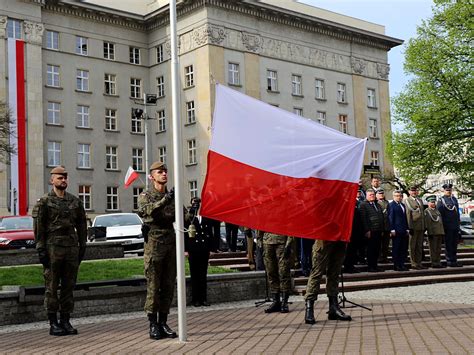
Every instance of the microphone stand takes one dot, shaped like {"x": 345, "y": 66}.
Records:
{"x": 343, "y": 299}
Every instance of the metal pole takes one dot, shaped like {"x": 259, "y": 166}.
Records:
{"x": 145, "y": 120}
{"x": 177, "y": 171}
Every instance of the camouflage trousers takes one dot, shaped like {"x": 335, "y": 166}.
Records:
{"x": 278, "y": 268}
{"x": 327, "y": 258}
{"x": 64, "y": 264}
{"x": 160, "y": 274}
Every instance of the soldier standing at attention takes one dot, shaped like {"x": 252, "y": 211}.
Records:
{"x": 416, "y": 225}
{"x": 157, "y": 209}
{"x": 434, "y": 227}
{"x": 328, "y": 257}
{"x": 60, "y": 229}
{"x": 276, "y": 257}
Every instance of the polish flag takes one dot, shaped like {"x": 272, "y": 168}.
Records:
{"x": 17, "y": 139}
{"x": 272, "y": 170}
{"x": 130, "y": 177}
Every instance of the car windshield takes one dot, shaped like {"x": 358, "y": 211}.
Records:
{"x": 117, "y": 220}
{"x": 466, "y": 221}
{"x": 14, "y": 223}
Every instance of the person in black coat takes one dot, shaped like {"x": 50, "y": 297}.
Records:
{"x": 198, "y": 245}
{"x": 398, "y": 231}
{"x": 357, "y": 235}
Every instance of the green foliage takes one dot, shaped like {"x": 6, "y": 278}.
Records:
{"x": 94, "y": 270}
{"x": 436, "y": 107}
{"x": 5, "y": 120}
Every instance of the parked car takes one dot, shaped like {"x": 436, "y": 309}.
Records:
{"x": 16, "y": 232}
{"x": 119, "y": 227}
{"x": 241, "y": 240}
{"x": 466, "y": 225}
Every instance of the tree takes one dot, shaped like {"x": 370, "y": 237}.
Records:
{"x": 5, "y": 131}
{"x": 436, "y": 106}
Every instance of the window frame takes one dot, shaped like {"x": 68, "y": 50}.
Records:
{"x": 160, "y": 86}
{"x": 189, "y": 76}
{"x": 296, "y": 86}
{"x": 51, "y": 38}
{"x": 13, "y": 28}
{"x": 136, "y": 122}
{"x": 82, "y": 80}
{"x": 56, "y": 152}
{"x": 233, "y": 71}
{"x": 56, "y": 112}
{"x": 112, "y": 198}
{"x": 83, "y": 116}
{"x": 162, "y": 154}
{"x": 373, "y": 128}
{"x": 84, "y": 156}
{"x": 193, "y": 189}
{"x": 192, "y": 151}
{"x": 161, "y": 120}
{"x": 190, "y": 112}
{"x": 341, "y": 93}
{"x": 160, "y": 54}
{"x": 136, "y": 193}
{"x": 371, "y": 99}
{"x": 138, "y": 159}
{"x": 109, "y": 118}
{"x": 135, "y": 55}
{"x": 272, "y": 81}
{"x": 109, "y": 50}
{"x": 111, "y": 157}
{"x": 134, "y": 88}
{"x": 343, "y": 123}
{"x": 375, "y": 157}
{"x": 85, "y": 196}
{"x": 110, "y": 84}
{"x": 52, "y": 75}
{"x": 321, "y": 117}
{"x": 80, "y": 43}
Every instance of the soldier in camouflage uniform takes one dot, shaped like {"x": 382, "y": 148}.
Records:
{"x": 276, "y": 257}
{"x": 157, "y": 209}
{"x": 328, "y": 257}
{"x": 61, "y": 232}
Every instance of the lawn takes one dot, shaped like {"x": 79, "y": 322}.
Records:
{"x": 92, "y": 270}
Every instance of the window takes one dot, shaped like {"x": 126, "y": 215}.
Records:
{"x": 321, "y": 117}
{"x": 296, "y": 88}
{"x": 110, "y": 119}
{"x": 54, "y": 113}
{"x": 111, "y": 158}
{"x": 320, "y": 91}
{"x": 159, "y": 54}
{"x": 341, "y": 92}
{"x": 110, "y": 81}
{"x": 85, "y": 196}
{"x": 374, "y": 158}
{"x": 272, "y": 77}
{"x": 234, "y": 74}
{"x": 137, "y": 159}
{"x": 343, "y": 123}
{"x": 54, "y": 153}
{"x": 371, "y": 102}
{"x": 82, "y": 80}
{"x": 83, "y": 117}
{"x": 190, "y": 112}
{"x": 160, "y": 86}
{"x": 134, "y": 55}
{"x": 161, "y": 121}
{"x": 83, "y": 155}
{"x": 135, "y": 88}
{"x": 373, "y": 131}
{"x": 13, "y": 29}
{"x": 298, "y": 111}
{"x": 112, "y": 198}
{"x": 52, "y": 74}
{"x": 188, "y": 76}
{"x": 109, "y": 51}
{"x": 136, "y": 192}
{"x": 192, "y": 159}
{"x": 193, "y": 189}
{"x": 162, "y": 154}
{"x": 52, "y": 40}
{"x": 81, "y": 45}
{"x": 136, "y": 124}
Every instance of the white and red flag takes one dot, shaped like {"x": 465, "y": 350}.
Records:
{"x": 16, "y": 104}
{"x": 130, "y": 177}
{"x": 272, "y": 170}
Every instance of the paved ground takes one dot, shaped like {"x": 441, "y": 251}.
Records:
{"x": 392, "y": 327}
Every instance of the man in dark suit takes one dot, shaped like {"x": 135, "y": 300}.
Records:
{"x": 373, "y": 223}
{"x": 398, "y": 231}
{"x": 357, "y": 235}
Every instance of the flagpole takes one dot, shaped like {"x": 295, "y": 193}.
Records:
{"x": 177, "y": 171}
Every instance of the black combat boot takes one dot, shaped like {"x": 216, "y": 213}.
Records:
{"x": 66, "y": 325}
{"x": 284, "y": 302}
{"x": 276, "y": 304}
{"x": 309, "y": 312}
{"x": 55, "y": 328}
{"x": 154, "y": 329}
{"x": 165, "y": 331}
{"x": 335, "y": 313}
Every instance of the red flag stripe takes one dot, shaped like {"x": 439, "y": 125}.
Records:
{"x": 21, "y": 124}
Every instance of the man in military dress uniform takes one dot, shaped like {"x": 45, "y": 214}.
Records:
{"x": 435, "y": 230}
{"x": 448, "y": 206}
{"x": 60, "y": 229}
{"x": 157, "y": 208}
{"x": 276, "y": 257}
{"x": 416, "y": 225}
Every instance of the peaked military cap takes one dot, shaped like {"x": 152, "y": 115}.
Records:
{"x": 447, "y": 186}
{"x": 431, "y": 198}
{"x": 60, "y": 170}
{"x": 158, "y": 165}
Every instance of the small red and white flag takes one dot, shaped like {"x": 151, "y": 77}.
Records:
{"x": 130, "y": 177}
{"x": 274, "y": 171}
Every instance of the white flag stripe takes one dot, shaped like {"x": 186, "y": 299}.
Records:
{"x": 12, "y": 105}
{"x": 281, "y": 142}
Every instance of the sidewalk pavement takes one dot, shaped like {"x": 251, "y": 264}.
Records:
{"x": 392, "y": 327}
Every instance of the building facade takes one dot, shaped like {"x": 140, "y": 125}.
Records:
{"x": 87, "y": 67}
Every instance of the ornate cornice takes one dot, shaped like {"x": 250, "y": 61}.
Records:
{"x": 34, "y": 32}
{"x": 3, "y": 26}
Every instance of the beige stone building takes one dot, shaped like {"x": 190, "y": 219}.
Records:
{"x": 88, "y": 64}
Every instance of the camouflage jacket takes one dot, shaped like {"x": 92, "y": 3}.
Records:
{"x": 272, "y": 238}
{"x": 59, "y": 221}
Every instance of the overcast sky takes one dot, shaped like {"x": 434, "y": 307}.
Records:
{"x": 400, "y": 18}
